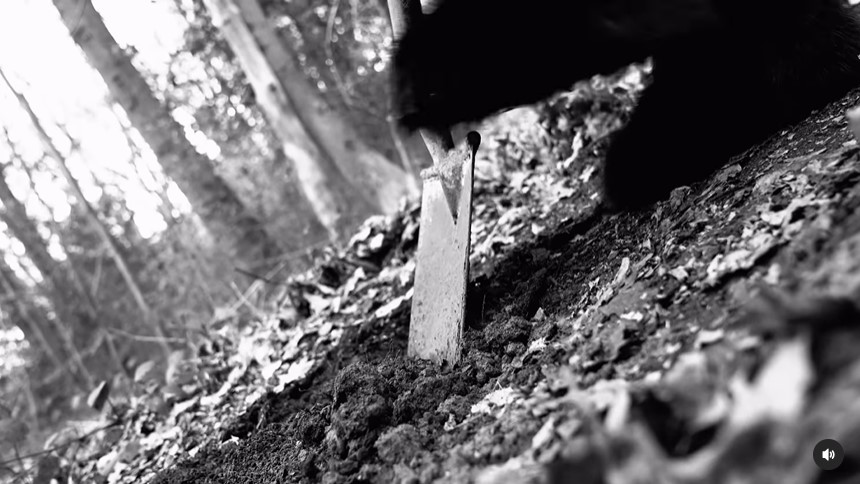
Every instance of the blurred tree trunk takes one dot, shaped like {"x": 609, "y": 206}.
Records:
{"x": 77, "y": 279}
{"x": 336, "y": 202}
{"x": 113, "y": 249}
{"x": 383, "y": 6}
{"x": 16, "y": 302}
{"x": 63, "y": 295}
{"x": 409, "y": 151}
{"x": 238, "y": 233}
{"x": 281, "y": 84}
{"x": 95, "y": 222}
{"x": 271, "y": 188}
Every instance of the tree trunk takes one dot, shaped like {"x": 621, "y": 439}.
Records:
{"x": 239, "y": 234}
{"x": 62, "y": 291}
{"x": 15, "y": 300}
{"x": 271, "y": 188}
{"x": 92, "y": 216}
{"x": 112, "y": 247}
{"x": 279, "y": 78}
{"x": 338, "y": 205}
{"x": 76, "y": 278}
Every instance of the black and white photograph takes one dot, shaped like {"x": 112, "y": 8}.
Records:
{"x": 429, "y": 242}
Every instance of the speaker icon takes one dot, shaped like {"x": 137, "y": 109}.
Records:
{"x": 828, "y": 454}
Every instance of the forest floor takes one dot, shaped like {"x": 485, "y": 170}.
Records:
{"x": 709, "y": 339}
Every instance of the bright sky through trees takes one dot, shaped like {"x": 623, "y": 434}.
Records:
{"x": 44, "y": 64}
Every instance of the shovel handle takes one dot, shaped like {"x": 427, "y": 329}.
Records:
{"x": 403, "y": 14}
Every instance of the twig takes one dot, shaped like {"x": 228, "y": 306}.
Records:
{"x": 329, "y": 52}
{"x": 243, "y": 299}
{"x": 149, "y": 339}
{"x": 258, "y": 277}
{"x": 57, "y": 447}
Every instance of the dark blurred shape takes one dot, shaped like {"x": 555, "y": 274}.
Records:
{"x": 727, "y": 73}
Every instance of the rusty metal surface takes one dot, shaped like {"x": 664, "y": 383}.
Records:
{"x": 439, "y": 298}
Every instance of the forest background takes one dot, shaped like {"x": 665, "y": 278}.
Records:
{"x": 160, "y": 160}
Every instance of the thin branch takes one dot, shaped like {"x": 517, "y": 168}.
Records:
{"x": 148, "y": 339}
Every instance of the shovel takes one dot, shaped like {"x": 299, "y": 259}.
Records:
{"x": 442, "y": 265}
{"x": 442, "y": 261}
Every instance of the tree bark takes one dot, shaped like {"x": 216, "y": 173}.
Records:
{"x": 225, "y": 217}
{"x": 15, "y": 298}
{"x": 279, "y": 77}
{"x": 76, "y": 278}
{"x": 95, "y": 222}
{"x": 22, "y": 227}
{"x": 337, "y": 204}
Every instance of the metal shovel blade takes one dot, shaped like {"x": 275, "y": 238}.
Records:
{"x": 442, "y": 266}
